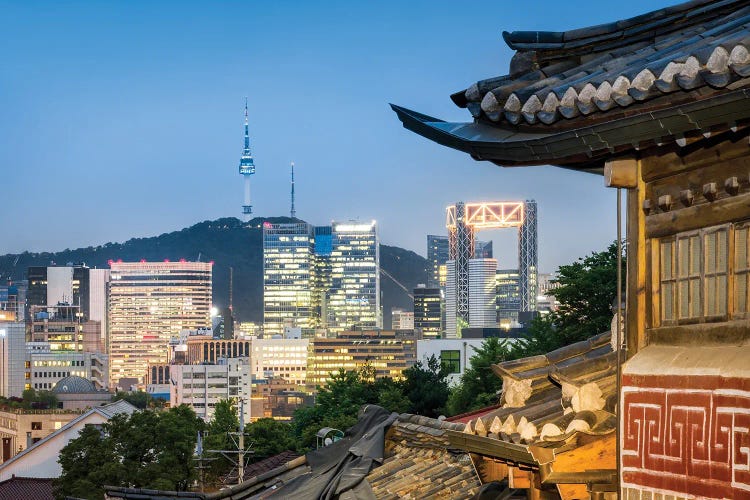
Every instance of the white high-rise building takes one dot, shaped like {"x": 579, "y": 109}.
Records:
{"x": 482, "y": 293}
{"x": 451, "y": 312}
{"x": 98, "y": 281}
{"x": 12, "y": 358}
{"x": 482, "y": 296}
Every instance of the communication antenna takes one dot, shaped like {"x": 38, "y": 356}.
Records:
{"x": 231, "y": 286}
{"x": 293, "y": 212}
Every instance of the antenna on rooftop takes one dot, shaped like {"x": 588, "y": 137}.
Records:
{"x": 293, "y": 212}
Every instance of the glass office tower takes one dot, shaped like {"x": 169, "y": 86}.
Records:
{"x": 287, "y": 276}
{"x": 355, "y": 277}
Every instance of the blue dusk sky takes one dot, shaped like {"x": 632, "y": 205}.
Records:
{"x": 124, "y": 119}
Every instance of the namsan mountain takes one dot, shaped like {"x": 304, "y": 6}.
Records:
{"x": 228, "y": 242}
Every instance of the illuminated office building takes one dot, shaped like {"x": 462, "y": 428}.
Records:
{"x": 280, "y": 358}
{"x": 508, "y": 286}
{"x": 355, "y": 277}
{"x": 60, "y": 326}
{"x": 150, "y": 302}
{"x": 321, "y": 275}
{"x": 428, "y": 312}
{"x": 12, "y": 303}
{"x": 402, "y": 320}
{"x": 387, "y": 352}
{"x": 287, "y": 276}
{"x": 49, "y": 286}
{"x": 437, "y": 255}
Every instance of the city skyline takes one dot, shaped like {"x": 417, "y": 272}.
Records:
{"x": 172, "y": 85}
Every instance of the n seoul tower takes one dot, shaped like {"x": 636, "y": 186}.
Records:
{"x": 247, "y": 168}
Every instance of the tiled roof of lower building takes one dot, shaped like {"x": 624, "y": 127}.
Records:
{"x": 27, "y": 488}
{"x": 419, "y": 463}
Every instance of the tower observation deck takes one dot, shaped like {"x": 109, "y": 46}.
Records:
{"x": 247, "y": 168}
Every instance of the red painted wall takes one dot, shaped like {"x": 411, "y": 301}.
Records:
{"x": 689, "y": 435}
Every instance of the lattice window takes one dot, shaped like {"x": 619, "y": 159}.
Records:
{"x": 689, "y": 276}
{"x": 715, "y": 280}
{"x": 693, "y": 276}
{"x": 667, "y": 279}
{"x": 741, "y": 268}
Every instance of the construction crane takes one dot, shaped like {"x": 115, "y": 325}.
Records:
{"x": 406, "y": 290}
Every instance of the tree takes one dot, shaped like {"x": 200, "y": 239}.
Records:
{"x": 88, "y": 462}
{"x": 392, "y": 399}
{"x": 338, "y": 403}
{"x": 147, "y": 449}
{"x": 586, "y": 290}
{"x": 224, "y": 421}
{"x": 140, "y": 399}
{"x": 478, "y": 386}
{"x": 270, "y": 437}
{"x": 426, "y": 387}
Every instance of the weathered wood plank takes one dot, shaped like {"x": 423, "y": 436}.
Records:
{"x": 721, "y": 211}
{"x": 635, "y": 296}
{"x": 669, "y": 163}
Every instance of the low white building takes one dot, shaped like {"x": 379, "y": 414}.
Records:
{"x": 454, "y": 353}
{"x": 46, "y": 367}
{"x": 40, "y": 459}
{"x": 202, "y": 386}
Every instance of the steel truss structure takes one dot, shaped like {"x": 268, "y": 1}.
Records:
{"x": 463, "y": 220}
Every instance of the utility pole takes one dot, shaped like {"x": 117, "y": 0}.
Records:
{"x": 241, "y": 455}
{"x": 237, "y": 456}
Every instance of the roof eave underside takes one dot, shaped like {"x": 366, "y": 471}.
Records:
{"x": 584, "y": 148}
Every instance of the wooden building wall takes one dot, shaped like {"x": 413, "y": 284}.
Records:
{"x": 685, "y": 424}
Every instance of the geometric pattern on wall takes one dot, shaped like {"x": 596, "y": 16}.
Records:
{"x": 686, "y": 436}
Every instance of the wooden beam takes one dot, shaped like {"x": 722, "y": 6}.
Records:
{"x": 489, "y": 469}
{"x": 733, "y": 146}
{"x": 511, "y": 452}
{"x": 573, "y": 491}
{"x": 621, "y": 173}
{"x": 721, "y": 211}
{"x": 520, "y": 479}
{"x": 702, "y": 334}
{"x": 635, "y": 328}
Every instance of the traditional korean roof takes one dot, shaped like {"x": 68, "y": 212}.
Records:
{"x": 420, "y": 464}
{"x": 417, "y": 462}
{"x": 269, "y": 464}
{"x": 548, "y": 401}
{"x": 27, "y": 488}
{"x": 571, "y": 98}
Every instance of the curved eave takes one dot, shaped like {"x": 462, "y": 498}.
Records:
{"x": 587, "y": 147}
